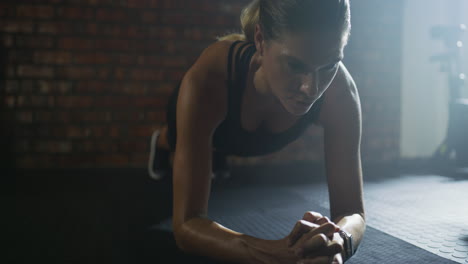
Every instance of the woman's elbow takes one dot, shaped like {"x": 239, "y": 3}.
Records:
{"x": 180, "y": 236}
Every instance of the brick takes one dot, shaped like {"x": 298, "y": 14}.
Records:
{"x": 131, "y": 146}
{"x": 92, "y": 29}
{"x": 165, "y": 32}
{"x": 114, "y": 160}
{"x": 32, "y": 161}
{"x": 138, "y": 3}
{"x": 150, "y": 17}
{"x": 75, "y": 132}
{"x": 143, "y": 131}
{"x": 74, "y": 101}
{"x": 72, "y": 72}
{"x": 53, "y": 147}
{"x": 33, "y": 11}
{"x": 47, "y": 27}
{"x": 38, "y": 101}
{"x": 134, "y": 32}
{"x": 163, "y": 61}
{"x": 53, "y": 87}
{"x": 92, "y": 58}
{"x": 92, "y": 86}
{"x": 147, "y": 75}
{"x": 104, "y": 74}
{"x": 155, "y": 116}
{"x": 43, "y": 116}
{"x": 28, "y": 101}
{"x": 22, "y": 146}
{"x": 124, "y": 59}
{"x": 132, "y": 88}
{"x": 121, "y": 74}
{"x": 152, "y": 101}
{"x": 112, "y": 101}
{"x": 109, "y": 14}
{"x": 94, "y": 116}
{"x": 24, "y": 117}
{"x": 76, "y": 43}
{"x": 35, "y": 71}
{"x": 114, "y": 30}
{"x": 137, "y": 159}
{"x": 12, "y": 87}
{"x": 10, "y": 101}
{"x": 52, "y": 57}
{"x": 113, "y": 44}
{"x": 96, "y": 131}
{"x": 163, "y": 88}
{"x": 127, "y": 116}
{"x": 34, "y": 41}
{"x": 75, "y": 13}
{"x": 8, "y": 41}
{"x": 17, "y": 56}
{"x": 93, "y": 146}
{"x": 114, "y": 131}
{"x": 27, "y": 86}
{"x": 10, "y": 71}
{"x": 16, "y": 26}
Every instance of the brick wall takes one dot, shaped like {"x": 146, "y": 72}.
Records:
{"x": 85, "y": 82}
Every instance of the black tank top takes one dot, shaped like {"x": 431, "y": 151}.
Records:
{"x": 230, "y": 138}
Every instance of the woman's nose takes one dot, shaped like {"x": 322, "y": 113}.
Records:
{"x": 308, "y": 85}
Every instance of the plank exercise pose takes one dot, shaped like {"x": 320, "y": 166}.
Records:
{"x": 252, "y": 94}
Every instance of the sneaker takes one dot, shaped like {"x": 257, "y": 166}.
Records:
{"x": 158, "y": 163}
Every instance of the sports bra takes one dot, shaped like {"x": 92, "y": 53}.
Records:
{"x": 230, "y": 138}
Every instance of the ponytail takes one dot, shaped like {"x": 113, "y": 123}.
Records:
{"x": 249, "y": 18}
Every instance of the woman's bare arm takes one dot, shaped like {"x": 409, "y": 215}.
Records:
{"x": 201, "y": 107}
{"x": 341, "y": 119}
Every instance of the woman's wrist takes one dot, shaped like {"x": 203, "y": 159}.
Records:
{"x": 354, "y": 227}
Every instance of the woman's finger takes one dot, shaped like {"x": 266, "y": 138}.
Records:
{"x": 301, "y": 227}
{"x": 314, "y": 245}
{"x": 312, "y": 216}
{"x": 327, "y": 229}
{"x": 325, "y": 220}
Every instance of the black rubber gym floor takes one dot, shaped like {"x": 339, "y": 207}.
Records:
{"x": 122, "y": 217}
{"x": 411, "y": 219}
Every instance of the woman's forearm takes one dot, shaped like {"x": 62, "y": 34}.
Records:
{"x": 202, "y": 236}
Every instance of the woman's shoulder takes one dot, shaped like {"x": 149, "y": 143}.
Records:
{"x": 204, "y": 84}
{"x": 341, "y": 98}
{"x": 213, "y": 59}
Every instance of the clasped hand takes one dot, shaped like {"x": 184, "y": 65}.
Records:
{"x": 314, "y": 240}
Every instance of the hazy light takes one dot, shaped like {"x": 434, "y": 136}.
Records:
{"x": 459, "y": 44}
{"x": 462, "y": 76}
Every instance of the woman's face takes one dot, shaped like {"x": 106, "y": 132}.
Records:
{"x": 299, "y": 68}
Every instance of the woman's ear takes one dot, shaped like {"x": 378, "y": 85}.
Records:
{"x": 259, "y": 40}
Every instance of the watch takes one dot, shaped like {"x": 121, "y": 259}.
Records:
{"x": 348, "y": 244}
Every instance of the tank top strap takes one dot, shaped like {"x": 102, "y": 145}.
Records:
{"x": 236, "y": 76}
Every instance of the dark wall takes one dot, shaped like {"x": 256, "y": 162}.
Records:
{"x": 86, "y": 82}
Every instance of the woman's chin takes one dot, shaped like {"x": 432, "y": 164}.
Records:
{"x": 297, "y": 108}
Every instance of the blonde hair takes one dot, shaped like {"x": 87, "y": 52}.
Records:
{"x": 249, "y": 18}
{"x": 277, "y": 17}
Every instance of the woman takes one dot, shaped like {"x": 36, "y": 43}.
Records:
{"x": 252, "y": 94}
